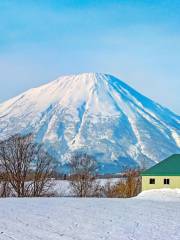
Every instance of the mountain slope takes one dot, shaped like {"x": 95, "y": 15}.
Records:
{"x": 96, "y": 113}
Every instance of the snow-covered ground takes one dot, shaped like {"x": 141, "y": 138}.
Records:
{"x": 92, "y": 219}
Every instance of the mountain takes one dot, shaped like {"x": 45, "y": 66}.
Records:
{"x": 96, "y": 113}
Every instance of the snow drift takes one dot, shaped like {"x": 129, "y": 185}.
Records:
{"x": 164, "y": 194}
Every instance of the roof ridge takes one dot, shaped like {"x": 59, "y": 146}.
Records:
{"x": 169, "y": 166}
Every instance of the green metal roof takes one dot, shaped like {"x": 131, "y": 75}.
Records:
{"x": 167, "y": 167}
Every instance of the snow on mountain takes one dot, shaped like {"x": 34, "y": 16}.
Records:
{"x": 96, "y": 113}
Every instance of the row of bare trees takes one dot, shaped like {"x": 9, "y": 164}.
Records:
{"x": 27, "y": 170}
{"x": 84, "y": 183}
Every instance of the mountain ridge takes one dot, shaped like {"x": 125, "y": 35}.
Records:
{"x": 96, "y": 113}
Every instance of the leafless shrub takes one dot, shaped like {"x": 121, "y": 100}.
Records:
{"x": 26, "y": 166}
{"x": 83, "y": 176}
{"x": 128, "y": 186}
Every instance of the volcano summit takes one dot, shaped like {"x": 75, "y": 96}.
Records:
{"x": 95, "y": 113}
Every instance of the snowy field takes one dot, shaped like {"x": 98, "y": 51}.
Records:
{"x": 148, "y": 216}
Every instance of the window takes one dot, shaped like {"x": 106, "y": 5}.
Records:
{"x": 152, "y": 181}
{"x": 166, "y": 181}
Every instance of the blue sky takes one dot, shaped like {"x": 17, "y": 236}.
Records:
{"x": 138, "y": 41}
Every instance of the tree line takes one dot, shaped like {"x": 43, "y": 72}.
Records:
{"x": 27, "y": 170}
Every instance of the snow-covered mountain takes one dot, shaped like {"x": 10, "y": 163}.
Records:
{"x": 95, "y": 113}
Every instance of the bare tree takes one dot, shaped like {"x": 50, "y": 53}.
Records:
{"x": 5, "y": 190}
{"x": 83, "y": 175}
{"x": 26, "y": 166}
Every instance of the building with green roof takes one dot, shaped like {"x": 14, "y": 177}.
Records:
{"x": 165, "y": 174}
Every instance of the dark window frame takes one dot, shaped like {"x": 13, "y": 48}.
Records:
{"x": 166, "y": 181}
{"x": 152, "y": 181}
